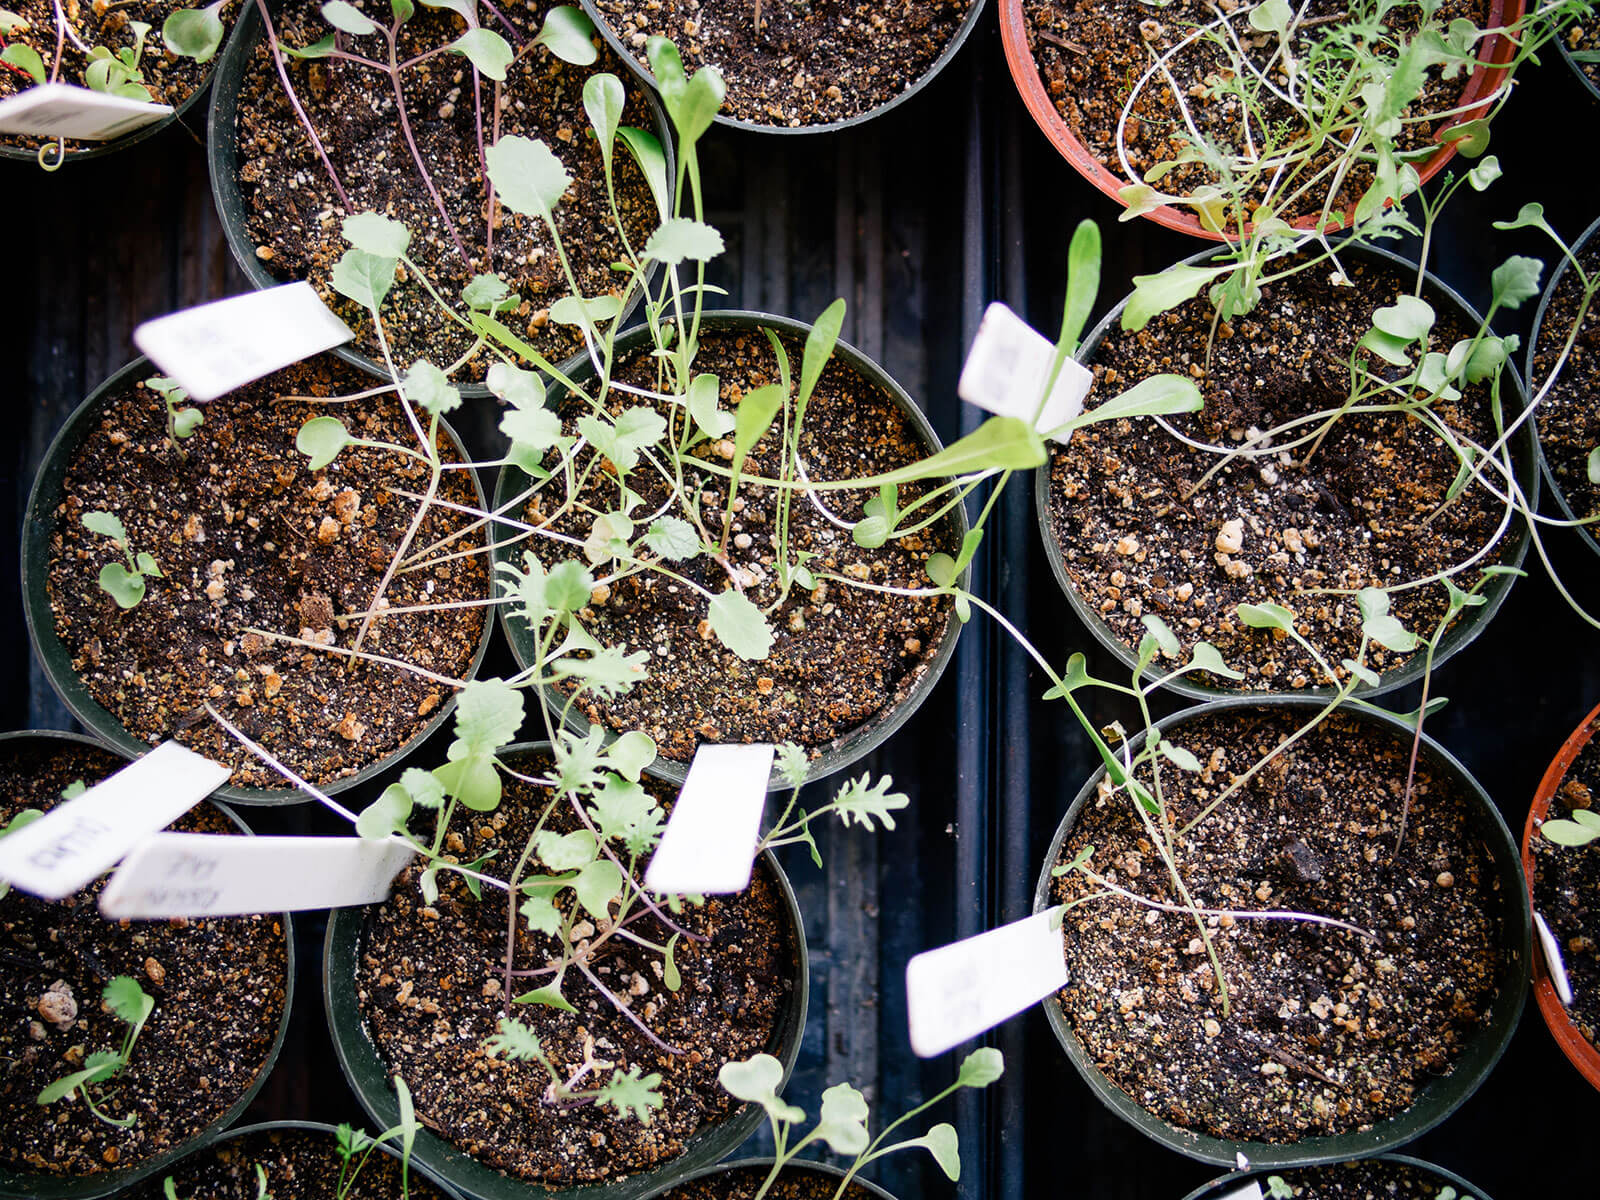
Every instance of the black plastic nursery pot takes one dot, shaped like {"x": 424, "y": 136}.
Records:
{"x": 270, "y": 1127}
{"x": 1462, "y": 632}
{"x": 627, "y": 54}
{"x": 38, "y": 1186}
{"x": 1587, "y": 532}
{"x": 1225, "y": 1187}
{"x": 38, "y": 522}
{"x": 370, "y": 1079}
{"x": 222, "y": 161}
{"x": 796, "y": 1167}
{"x": 866, "y": 737}
{"x": 1582, "y": 76}
{"x": 1437, "y": 1099}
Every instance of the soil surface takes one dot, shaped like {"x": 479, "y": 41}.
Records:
{"x": 1091, "y": 53}
{"x": 169, "y": 78}
{"x": 744, "y": 1183}
{"x": 1282, "y": 525}
{"x": 248, "y": 538}
{"x": 294, "y": 214}
{"x": 1569, "y": 416}
{"x": 218, "y": 985}
{"x": 1327, "y": 1031}
{"x": 842, "y": 655}
{"x": 1583, "y": 37}
{"x": 807, "y": 64}
{"x": 430, "y": 985}
{"x": 1369, "y": 1180}
{"x": 1566, "y": 891}
{"x": 300, "y": 1165}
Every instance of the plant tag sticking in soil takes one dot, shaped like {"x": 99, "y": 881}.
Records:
{"x": 710, "y": 839}
{"x": 1007, "y": 367}
{"x": 79, "y": 839}
{"x": 59, "y": 110}
{"x": 1552, "y": 961}
{"x": 957, "y": 991}
{"x": 215, "y": 875}
{"x": 212, "y": 349}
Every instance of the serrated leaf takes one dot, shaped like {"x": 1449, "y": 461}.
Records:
{"x": 1516, "y": 280}
{"x": 565, "y": 851}
{"x": 528, "y": 177}
{"x": 106, "y": 525}
{"x": 1153, "y": 294}
{"x": 489, "y": 293}
{"x": 740, "y": 626}
{"x": 125, "y": 998}
{"x": 632, "y": 1094}
{"x": 863, "y": 799}
{"x": 622, "y": 440}
{"x": 672, "y": 538}
{"x": 623, "y": 811}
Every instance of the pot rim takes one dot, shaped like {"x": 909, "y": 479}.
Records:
{"x": 222, "y": 164}
{"x": 39, "y": 1186}
{"x": 363, "y": 1067}
{"x": 1579, "y": 1051}
{"x": 798, "y": 1164}
{"x": 1213, "y": 1190}
{"x": 1462, "y": 633}
{"x": 974, "y": 13}
{"x": 1566, "y": 56}
{"x": 1025, "y": 73}
{"x": 856, "y": 743}
{"x": 36, "y": 529}
{"x": 1586, "y": 532}
{"x": 324, "y": 1128}
{"x": 1447, "y": 1093}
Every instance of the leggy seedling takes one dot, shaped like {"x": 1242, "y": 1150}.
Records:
{"x": 128, "y": 1002}
{"x": 124, "y": 584}
{"x": 842, "y": 1125}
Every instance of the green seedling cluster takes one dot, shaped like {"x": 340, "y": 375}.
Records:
{"x": 130, "y": 1004}
{"x": 123, "y": 582}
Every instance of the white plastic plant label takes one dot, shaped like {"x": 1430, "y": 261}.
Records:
{"x": 1007, "y": 368}
{"x": 60, "y": 110}
{"x": 212, "y": 349}
{"x": 80, "y": 839}
{"x": 711, "y": 835}
{"x": 956, "y": 992}
{"x": 1553, "y": 961}
{"x": 1250, "y": 1191}
{"x": 218, "y": 875}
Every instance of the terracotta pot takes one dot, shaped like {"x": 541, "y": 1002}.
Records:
{"x": 1014, "y": 37}
{"x": 1573, "y": 1044}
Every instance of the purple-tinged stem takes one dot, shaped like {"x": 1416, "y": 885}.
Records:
{"x": 516, "y": 36}
{"x": 294, "y": 102}
{"x": 625, "y": 1010}
{"x": 416, "y": 154}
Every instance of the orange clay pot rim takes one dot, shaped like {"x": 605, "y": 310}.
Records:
{"x": 1573, "y": 1044}
{"x": 1025, "y": 72}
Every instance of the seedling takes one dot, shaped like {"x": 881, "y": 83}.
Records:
{"x": 123, "y": 583}
{"x": 181, "y": 421}
{"x": 355, "y": 1147}
{"x": 1581, "y": 828}
{"x": 128, "y": 1002}
{"x": 843, "y": 1124}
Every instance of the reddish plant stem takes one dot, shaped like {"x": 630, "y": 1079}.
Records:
{"x": 516, "y": 37}
{"x": 294, "y": 102}
{"x": 638, "y": 891}
{"x": 411, "y": 141}
{"x": 625, "y": 1010}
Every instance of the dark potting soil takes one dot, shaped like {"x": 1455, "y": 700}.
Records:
{"x": 1583, "y": 37}
{"x": 1327, "y": 1031}
{"x": 841, "y": 654}
{"x": 745, "y": 1182}
{"x": 218, "y": 985}
{"x": 808, "y": 64}
{"x": 1091, "y": 53}
{"x": 1569, "y": 416}
{"x": 1566, "y": 891}
{"x": 169, "y": 78}
{"x": 430, "y": 984}
{"x": 300, "y": 1165}
{"x": 1277, "y": 527}
{"x": 1368, "y": 1180}
{"x": 294, "y": 214}
{"x": 247, "y": 537}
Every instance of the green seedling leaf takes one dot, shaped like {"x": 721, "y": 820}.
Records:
{"x": 1365, "y": 674}
{"x": 528, "y": 177}
{"x": 863, "y": 800}
{"x": 348, "y": 18}
{"x": 429, "y": 388}
{"x": 1267, "y": 616}
{"x": 321, "y": 48}
{"x": 604, "y": 100}
{"x": 573, "y": 310}
{"x": 1531, "y": 216}
{"x": 98, "y": 1067}
{"x": 186, "y": 421}
{"x": 106, "y": 525}
{"x": 1206, "y": 657}
{"x": 488, "y": 715}
{"x": 691, "y": 102}
{"x": 1516, "y": 280}
{"x": 403, "y": 10}
{"x": 704, "y": 393}
{"x": 793, "y": 764}
{"x": 1083, "y": 284}
{"x": 843, "y": 1124}
{"x": 490, "y": 294}
{"x": 1408, "y": 319}
{"x": 622, "y": 441}
{"x": 521, "y": 389}
{"x": 756, "y": 1081}
{"x": 1379, "y": 625}
{"x": 566, "y": 851}
{"x": 1153, "y": 294}
{"x": 597, "y": 885}
{"x": 630, "y": 754}
{"x": 1074, "y": 676}
{"x": 1592, "y": 465}
{"x": 1570, "y": 833}
{"x": 820, "y": 341}
{"x": 609, "y": 536}
{"x": 124, "y": 586}
{"x": 680, "y": 238}
{"x": 1000, "y": 443}
{"x": 127, "y": 1000}
{"x": 669, "y": 968}
{"x": 1162, "y": 632}
{"x": 320, "y": 440}
{"x": 1179, "y": 757}
{"x": 940, "y": 1141}
{"x": 672, "y": 538}
{"x": 549, "y": 995}
{"x": 646, "y": 150}
{"x": 378, "y": 235}
{"x": 363, "y": 277}
{"x": 870, "y": 532}
{"x": 569, "y": 35}
{"x": 740, "y": 626}
{"x": 1471, "y": 138}
{"x": 1157, "y": 396}
{"x": 486, "y": 50}
{"x": 12, "y": 23}
{"x": 631, "y": 1094}
{"x": 424, "y": 790}
{"x": 539, "y": 909}
{"x": 1273, "y": 16}
{"x": 1393, "y": 350}
{"x": 1140, "y": 198}
{"x": 387, "y": 814}
{"x": 194, "y": 33}
{"x": 624, "y": 812}
{"x": 981, "y": 1068}
{"x": 754, "y": 417}
{"x": 1484, "y": 173}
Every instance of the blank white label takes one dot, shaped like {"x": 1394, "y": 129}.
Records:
{"x": 711, "y": 835}
{"x": 59, "y": 110}
{"x": 1008, "y": 366}
{"x": 1553, "y": 962}
{"x": 956, "y": 992}
{"x": 79, "y": 840}
{"x": 215, "y": 875}
{"x": 1250, "y": 1191}
{"x": 212, "y": 349}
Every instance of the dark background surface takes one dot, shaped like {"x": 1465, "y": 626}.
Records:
{"x": 918, "y": 220}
